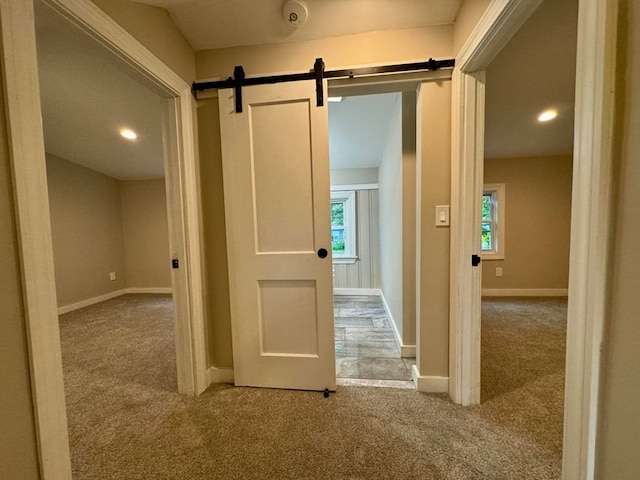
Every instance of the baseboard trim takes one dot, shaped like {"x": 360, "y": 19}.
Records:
{"x": 150, "y": 290}
{"x": 91, "y": 301}
{"x": 406, "y": 351}
{"x": 356, "y": 291}
{"x": 429, "y": 384}
{"x": 525, "y": 292}
{"x": 108, "y": 296}
{"x": 220, "y": 375}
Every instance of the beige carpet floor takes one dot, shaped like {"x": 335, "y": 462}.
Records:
{"x": 127, "y": 422}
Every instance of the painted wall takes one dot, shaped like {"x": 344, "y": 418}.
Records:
{"x": 101, "y": 225}
{"x": 409, "y": 116}
{"x": 433, "y": 173}
{"x": 146, "y": 233}
{"x": 362, "y": 49}
{"x": 218, "y": 309}
{"x": 538, "y": 222}
{"x": 390, "y": 191}
{"x": 468, "y": 16}
{"x": 353, "y": 176}
{"x": 154, "y": 29}
{"x": 18, "y": 450}
{"x": 86, "y": 227}
{"x": 619, "y": 408}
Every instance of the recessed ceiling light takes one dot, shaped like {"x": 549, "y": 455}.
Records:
{"x": 547, "y": 115}
{"x": 128, "y": 134}
{"x": 335, "y": 99}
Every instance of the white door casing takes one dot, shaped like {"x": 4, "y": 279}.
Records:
{"x": 276, "y": 189}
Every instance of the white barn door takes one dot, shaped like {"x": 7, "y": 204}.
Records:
{"x": 276, "y": 191}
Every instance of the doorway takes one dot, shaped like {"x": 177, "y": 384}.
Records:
{"x": 372, "y": 154}
{"x": 32, "y": 209}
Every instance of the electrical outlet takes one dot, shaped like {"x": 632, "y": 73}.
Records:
{"x": 112, "y": 276}
{"x": 498, "y": 271}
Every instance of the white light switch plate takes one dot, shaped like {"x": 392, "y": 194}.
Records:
{"x": 442, "y": 215}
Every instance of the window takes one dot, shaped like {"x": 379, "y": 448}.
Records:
{"x": 493, "y": 208}
{"x": 343, "y": 226}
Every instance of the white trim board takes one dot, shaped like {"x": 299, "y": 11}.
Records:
{"x": 108, "y": 296}
{"x": 356, "y": 291}
{"x": 525, "y": 292}
{"x": 429, "y": 384}
{"x": 220, "y": 375}
{"x": 406, "y": 351}
{"x": 362, "y": 186}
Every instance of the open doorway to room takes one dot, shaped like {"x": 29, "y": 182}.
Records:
{"x": 526, "y": 223}
{"x": 372, "y": 159}
{"x": 105, "y": 140}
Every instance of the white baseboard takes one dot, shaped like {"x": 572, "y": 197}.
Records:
{"x": 525, "y": 292}
{"x": 90, "y": 301}
{"x": 109, "y": 296}
{"x": 220, "y": 375}
{"x": 356, "y": 291}
{"x": 429, "y": 384}
{"x": 150, "y": 290}
{"x": 406, "y": 351}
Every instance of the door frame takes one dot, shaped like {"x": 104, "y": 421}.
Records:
{"x": 27, "y": 160}
{"x": 590, "y": 216}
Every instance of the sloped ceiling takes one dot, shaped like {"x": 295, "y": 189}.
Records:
{"x": 209, "y": 24}
{"x": 86, "y": 100}
{"x": 358, "y": 129}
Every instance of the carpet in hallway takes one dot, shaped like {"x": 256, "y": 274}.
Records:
{"x": 126, "y": 424}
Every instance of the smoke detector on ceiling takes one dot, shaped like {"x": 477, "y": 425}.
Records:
{"x": 295, "y": 12}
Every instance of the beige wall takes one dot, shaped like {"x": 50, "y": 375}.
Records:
{"x": 146, "y": 233}
{"x": 468, "y": 16}
{"x": 153, "y": 28}
{"x": 409, "y": 113}
{"x": 390, "y": 199}
{"x": 538, "y": 222}
{"x": 377, "y": 47}
{"x": 433, "y": 175}
{"x": 413, "y": 44}
{"x": 18, "y": 454}
{"x": 619, "y": 409}
{"x": 354, "y": 176}
{"x": 86, "y": 227}
{"x": 215, "y": 240}
{"x": 365, "y": 272}
{"x": 101, "y": 225}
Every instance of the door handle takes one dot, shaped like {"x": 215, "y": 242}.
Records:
{"x": 322, "y": 253}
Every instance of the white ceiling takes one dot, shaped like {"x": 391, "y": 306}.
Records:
{"x": 358, "y": 129}
{"x": 86, "y": 100}
{"x": 535, "y": 71}
{"x": 227, "y": 23}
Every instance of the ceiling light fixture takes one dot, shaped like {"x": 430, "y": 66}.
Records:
{"x": 128, "y": 134}
{"x": 335, "y": 99}
{"x": 547, "y": 115}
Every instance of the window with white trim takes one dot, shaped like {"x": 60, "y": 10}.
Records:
{"x": 343, "y": 226}
{"x": 493, "y": 209}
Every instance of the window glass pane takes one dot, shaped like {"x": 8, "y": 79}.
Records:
{"x": 486, "y": 236}
{"x": 337, "y": 240}
{"x": 486, "y": 207}
{"x": 337, "y": 214}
